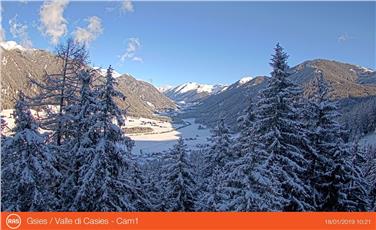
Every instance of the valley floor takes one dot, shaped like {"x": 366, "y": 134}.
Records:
{"x": 163, "y": 138}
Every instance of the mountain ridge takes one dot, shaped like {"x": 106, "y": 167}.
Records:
{"x": 19, "y": 64}
{"x": 190, "y": 92}
{"x": 345, "y": 81}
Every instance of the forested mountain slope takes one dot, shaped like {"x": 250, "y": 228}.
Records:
{"x": 345, "y": 81}
{"x": 20, "y": 64}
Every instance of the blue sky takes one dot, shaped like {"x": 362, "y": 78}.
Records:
{"x": 170, "y": 43}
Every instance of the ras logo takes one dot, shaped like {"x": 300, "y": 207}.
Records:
{"x": 13, "y": 221}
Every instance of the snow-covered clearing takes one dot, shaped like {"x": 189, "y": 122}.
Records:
{"x": 7, "y": 115}
{"x": 156, "y": 125}
{"x": 164, "y": 138}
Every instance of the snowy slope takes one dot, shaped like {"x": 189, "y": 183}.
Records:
{"x": 192, "y": 91}
{"x": 245, "y": 80}
{"x": 229, "y": 103}
{"x": 164, "y": 88}
{"x": 103, "y": 72}
{"x": 199, "y": 88}
{"x": 11, "y": 45}
{"x": 346, "y": 81}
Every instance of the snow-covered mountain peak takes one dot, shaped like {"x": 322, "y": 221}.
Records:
{"x": 192, "y": 91}
{"x": 103, "y": 72}
{"x": 11, "y": 45}
{"x": 164, "y": 88}
{"x": 364, "y": 69}
{"x": 245, "y": 80}
{"x": 199, "y": 88}
{"x": 189, "y": 86}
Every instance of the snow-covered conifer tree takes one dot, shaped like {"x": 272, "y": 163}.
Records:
{"x": 221, "y": 151}
{"x": 178, "y": 180}
{"x": 247, "y": 185}
{"x": 370, "y": 174}
{"x": 154, "y": 187}
{"x": 210, "y": 198}
{"x": 103, "y": 184}
{"x": 82, "y": 120}
{"x": 247, "y": 141}
{"x": 279, "y": 130}
{"x": 28, "y": 171}
{"x": 331, "y": 172}
{"x": 141, "y": 198}
{"x": 359, "y": 186}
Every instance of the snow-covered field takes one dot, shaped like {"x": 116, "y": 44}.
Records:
{"x": 156, "y": 125}
{"x": 164, "y": 138}
{"x": 7, "y": 114}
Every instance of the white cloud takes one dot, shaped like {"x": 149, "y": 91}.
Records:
{"x": 53, "y": 23}
{"x": 91, "y": 32}
{"x": 137, "y": 59}
{"x": 19, "y": 31}
{"x": 127, "y": 6}
{"x": 344, "y": 38}
{"x": 130, "y": 53}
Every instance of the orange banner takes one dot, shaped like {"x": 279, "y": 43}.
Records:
{"x": 188, "y": 220}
